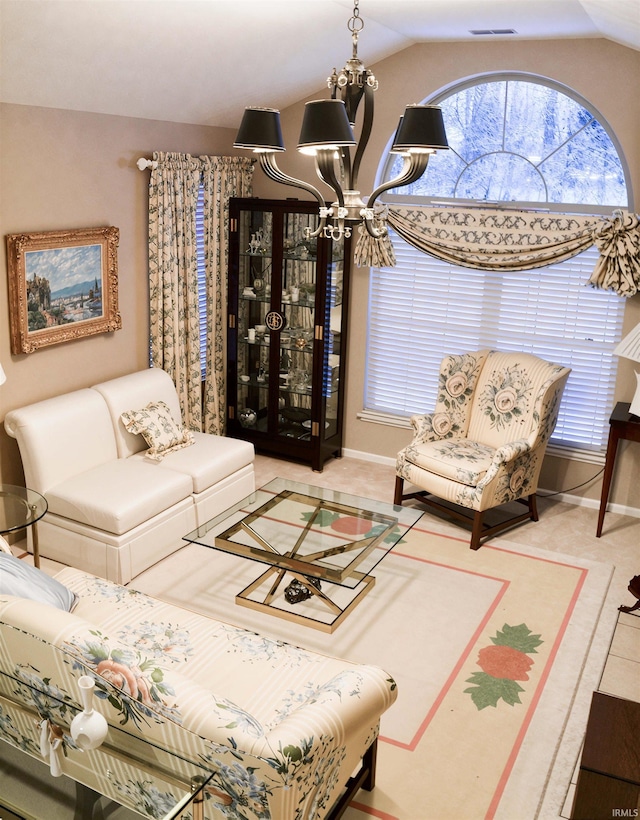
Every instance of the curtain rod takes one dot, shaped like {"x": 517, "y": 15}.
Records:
{"x": 143, "y": 163}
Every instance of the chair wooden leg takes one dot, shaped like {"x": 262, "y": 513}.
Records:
{"x": 533, "y": 506}
{"x": 397, "y": 497}
{"x": 476, "y": 531}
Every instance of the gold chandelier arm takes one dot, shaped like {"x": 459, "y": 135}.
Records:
{"x": 270, "y": 167}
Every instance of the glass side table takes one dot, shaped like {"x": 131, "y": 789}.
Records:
{"x": 21, "y": 508}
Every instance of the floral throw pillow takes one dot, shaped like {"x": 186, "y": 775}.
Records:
{"x": 160, "y": 430}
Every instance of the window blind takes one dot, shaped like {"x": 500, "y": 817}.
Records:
{"x": 424, "y": 309}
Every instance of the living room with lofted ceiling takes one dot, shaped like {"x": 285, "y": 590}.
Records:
{"x": 89, "y": 88}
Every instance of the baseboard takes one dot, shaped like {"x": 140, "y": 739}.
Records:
{"x": 592, "y": 503}
{"x": 388, "y": 462}
{"x": 567, "y": 498}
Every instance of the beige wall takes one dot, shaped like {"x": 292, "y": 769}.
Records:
{"x": 64, "y": 170}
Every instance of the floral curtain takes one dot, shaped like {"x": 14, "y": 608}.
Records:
{"x": 223, "y": 177}
{"x": 173, "y": 275}
{"x": 492, "y": 239}
{"x": 173, "y": 292}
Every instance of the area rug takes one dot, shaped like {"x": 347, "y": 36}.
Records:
{"x": 494, "y": 656}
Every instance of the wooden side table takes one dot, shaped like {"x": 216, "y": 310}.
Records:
{"x": 623, "y": 425}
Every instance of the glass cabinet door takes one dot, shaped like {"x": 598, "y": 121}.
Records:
{"x": 333, "y": 352}
{"x": 297, "y": 304}
{"x": 255, "y": 275}
{"x": 286, "y": 321}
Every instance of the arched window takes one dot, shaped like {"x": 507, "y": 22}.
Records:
{"x": 531, "y": 143}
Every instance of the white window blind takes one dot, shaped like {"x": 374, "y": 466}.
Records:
{"x": 424, "y": 309}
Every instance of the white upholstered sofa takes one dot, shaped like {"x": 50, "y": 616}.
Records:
{"x": 113, "y": 511}
{"x": 283, "y": 729}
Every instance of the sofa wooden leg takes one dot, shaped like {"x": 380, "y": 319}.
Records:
{"x": 476, "y": 531}
{"x": 365, "y": 778}
{"x": 397, "y": 497}
{"x": 369, "y": 761}
{"x": 533, "y": 506}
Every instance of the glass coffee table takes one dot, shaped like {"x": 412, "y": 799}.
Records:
{"x": 21, "y": 508}
{"x": 321, "y": 547}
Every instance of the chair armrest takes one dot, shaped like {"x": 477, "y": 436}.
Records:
{"x": 503, "y": 455}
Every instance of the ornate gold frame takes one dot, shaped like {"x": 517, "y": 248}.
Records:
{"x": 26, "y": 339}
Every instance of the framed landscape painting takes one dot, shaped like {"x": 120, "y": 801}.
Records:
{"x": 63, "y": 285}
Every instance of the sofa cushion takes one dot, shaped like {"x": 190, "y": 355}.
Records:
{"x": 211, "y": 459}
{"x": 161, "y": 431}
{"x": 448, "y": 456}
{"x": 24, "y": 581}
{"x": 119, "y": 495}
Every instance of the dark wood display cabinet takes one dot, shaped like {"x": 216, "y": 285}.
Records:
{"x": 286, "y": 338}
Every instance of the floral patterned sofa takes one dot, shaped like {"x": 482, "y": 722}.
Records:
{"x": 484, "y": 444}
{"x": 283, "y": 729}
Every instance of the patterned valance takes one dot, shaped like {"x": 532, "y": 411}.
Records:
{"x": 492, "y": 239}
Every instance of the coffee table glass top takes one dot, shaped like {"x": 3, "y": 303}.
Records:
{"x": 317, "y": 532}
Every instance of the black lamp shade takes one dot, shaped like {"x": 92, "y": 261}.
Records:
{"x": 260, "y": 130}
{"x": 393, "y": 148}
{"x": 421, "y": 126}
{"x": 325, "y": 125}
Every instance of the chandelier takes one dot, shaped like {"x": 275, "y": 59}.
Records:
{"x": 327, "y": 134}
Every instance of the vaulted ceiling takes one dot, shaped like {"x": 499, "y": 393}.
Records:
{"x": 203, "y": 61}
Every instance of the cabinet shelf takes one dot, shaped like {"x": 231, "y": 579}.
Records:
{"x": 297, "y": 288}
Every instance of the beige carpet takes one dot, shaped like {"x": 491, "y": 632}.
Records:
{"x": 493, "y": 654}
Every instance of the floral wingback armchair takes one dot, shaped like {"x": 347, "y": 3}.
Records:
{"x": 484, "y": 444}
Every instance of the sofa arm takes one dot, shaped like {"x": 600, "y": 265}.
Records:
{"x": 352, "y": 701}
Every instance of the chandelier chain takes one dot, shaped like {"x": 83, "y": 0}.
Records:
{"x": 356, "y": 23}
